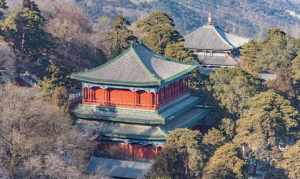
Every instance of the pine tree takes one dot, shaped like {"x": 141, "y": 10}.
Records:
{"x": 29, "y": 36}
{"x": 296, "y": 69}
{"x": 232, "y": 88}
{"x": 25, "y": 29}
{"x": 225, "y": 163}
{"x": 267, "y": 120}
{"x": 120, "y": 35}
{"x": 273, "y": 54}
{"x": 3, "y": 4}
{"x": 160, "y": 34}
{"x": 184, "y": 153}
{"x": 249, "y": 54}
{"x": 54, "y": 79}
{"x": 290, "y": 161}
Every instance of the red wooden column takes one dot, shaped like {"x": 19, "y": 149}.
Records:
{"x": 93, "y": 94}
{"x": 153, "y": 99}
{"x": 107, "y": 96}
{"x": 137, "y": 98}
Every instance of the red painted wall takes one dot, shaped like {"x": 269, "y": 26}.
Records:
{"x": 130, "y": 151}
{"x": 122, "y": 97}
{"x": 140, "y": 99}
{"x": 100, "y": 95}
{"x": 146, "y": 99}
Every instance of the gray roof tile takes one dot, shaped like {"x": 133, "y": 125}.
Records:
{"x": 218, "y": 60}
{"x": 138, "y": 66}
{"x": 210, "y": 37}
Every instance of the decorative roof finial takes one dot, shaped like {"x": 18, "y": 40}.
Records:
{"x": 209, "y": 21}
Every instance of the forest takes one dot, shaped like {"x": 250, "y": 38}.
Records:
{"x": 258, "y": 121}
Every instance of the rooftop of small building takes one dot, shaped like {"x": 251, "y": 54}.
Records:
{"x": 138, "y": 66}
{"x": 212, "y": 37}
{"x": 214, "y": 60}
{"x": 118, "y": 168}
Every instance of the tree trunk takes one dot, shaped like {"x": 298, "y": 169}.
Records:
{"x": 13, "y": 155}
{"x": 23, "y": 41}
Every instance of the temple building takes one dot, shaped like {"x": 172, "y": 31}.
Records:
{"x": 214, "y": 47}
{"x": 134, "y": 100}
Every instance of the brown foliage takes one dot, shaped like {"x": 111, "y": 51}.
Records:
{"x": 34, "y": 130}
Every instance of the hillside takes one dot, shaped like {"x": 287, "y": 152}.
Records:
{"x": 239, "y": 16}
{"x": 244, "y": 17}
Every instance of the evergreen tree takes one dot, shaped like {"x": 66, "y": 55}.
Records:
{"x": 290, "y": 161}
{"x": 225, "y": 163}
{"x": 232, "y": 88}
{"x": 29, "y": 36}
{"x": 25, "y": 29}
{"x": 266, "y": 122}
{"x": 168, "y": 164}
{"x": 214, "y": 138}
{"x": 272, "y": 54}
{"x": 159, "y": 33}
{"x": 183, "y": 150}
{"x": 120, "y": 35}
{"x": 296, "y": 69}
{"x": 179, "y": 53}
{"x": 249, "y": 54}
{"x": 55, "y": 78}
{"x": 3, "y": 4}
{"x": 227, "y": 126}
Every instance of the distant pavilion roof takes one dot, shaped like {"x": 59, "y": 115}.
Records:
{"x": 137, "y": 66}
{"x": 211, "y": 37}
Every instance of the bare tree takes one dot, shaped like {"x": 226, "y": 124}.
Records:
{"x": 7, "y": 62}
{"x": 37, "y": 139}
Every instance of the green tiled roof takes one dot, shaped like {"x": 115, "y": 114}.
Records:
{"x": 114, "y": 130}
{"x": 136, "y": 116}
{"x": 137, "y": 66}
{"x": 118, "y": 115}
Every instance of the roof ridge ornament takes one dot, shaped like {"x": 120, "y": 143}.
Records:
{"x": 209, "y": 19}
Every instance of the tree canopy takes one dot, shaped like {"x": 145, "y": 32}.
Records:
{"x": 3, "y": 4}
{"x": 272, "y": 54}
{"x": 186, "y": 144}
{"x": 296, "y": 68}
{"x": 25, "y": 29}
{"x": 120, "y": 35}
{"x": 266, "y": 121}
{"x": 232, "y": 88}
{"x": 214, "y": 137}
{"x": 225, "y": 163}
{"x": 290, "y": 161}
{"x": 159, "y": 33}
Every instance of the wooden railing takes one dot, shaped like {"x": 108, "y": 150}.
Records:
{"x": 98, "y": 103}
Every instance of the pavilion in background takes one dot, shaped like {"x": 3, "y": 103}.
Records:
{"x": 214, "y": 47}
